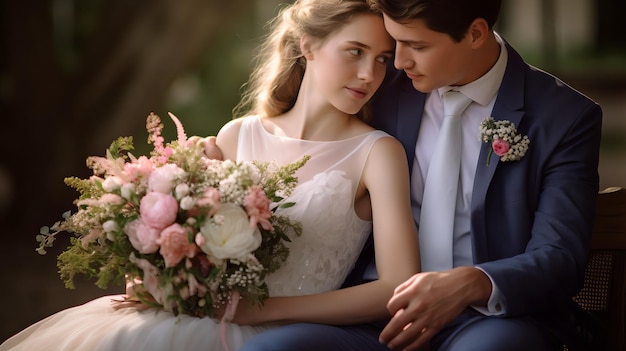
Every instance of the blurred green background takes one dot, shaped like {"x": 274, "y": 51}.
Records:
{"x": 76, "y": 74}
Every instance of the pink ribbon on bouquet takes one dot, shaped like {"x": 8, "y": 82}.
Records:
{"x": 228, "y": 316}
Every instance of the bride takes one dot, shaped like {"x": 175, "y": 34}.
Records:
{"x": 320, "y": 65}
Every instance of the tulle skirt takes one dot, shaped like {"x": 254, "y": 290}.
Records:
{"x": 96, "y": 325}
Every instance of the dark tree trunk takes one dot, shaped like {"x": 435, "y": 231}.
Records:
{"x": 52, "y": 118}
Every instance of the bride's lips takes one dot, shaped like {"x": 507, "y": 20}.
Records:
{"x": 357, "y": 93}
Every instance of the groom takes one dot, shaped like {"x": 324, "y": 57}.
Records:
{"x": 522, "y": 224}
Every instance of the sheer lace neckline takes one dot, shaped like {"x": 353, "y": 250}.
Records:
{"x": 257, "y": 120}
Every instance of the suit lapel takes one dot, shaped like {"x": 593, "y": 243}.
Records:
{"x": 410, "y": 109}
{"x": 508, "y": 106}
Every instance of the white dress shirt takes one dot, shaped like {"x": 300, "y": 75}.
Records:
{"x": 483, "y": 92}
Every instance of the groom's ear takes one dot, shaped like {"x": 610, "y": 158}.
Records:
{"x": 479, "y": 31}
{"x": 305, "y": 47}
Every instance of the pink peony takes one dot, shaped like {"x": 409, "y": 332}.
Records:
{"x": 158, "y": 210}
{"x": 257, "y": 206}
{"x": 142, "y": 237}
{"x": 500, "y": 147}
{"x": 163, "y": 179}
{"x": 175, "y": 245}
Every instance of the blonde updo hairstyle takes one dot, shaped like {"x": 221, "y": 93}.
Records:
{"x": 279, "y": 65}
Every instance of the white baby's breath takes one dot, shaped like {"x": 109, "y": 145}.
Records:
{"x": 495, "y": 132}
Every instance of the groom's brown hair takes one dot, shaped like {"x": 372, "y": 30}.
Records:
{"x": 452, "y": 17}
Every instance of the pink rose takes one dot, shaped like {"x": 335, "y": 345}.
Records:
{"x": 257, "y": 206}
{"x": 140, "y": 168}
{"x": 175, "y": 245}
{"x": 500, "y": 147}
{"x": 158, "y": 210}
{"x": 142, "y": 237}
{"x": 211, "y": 199}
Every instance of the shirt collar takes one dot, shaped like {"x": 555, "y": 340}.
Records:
{"x": 483, "y": 89}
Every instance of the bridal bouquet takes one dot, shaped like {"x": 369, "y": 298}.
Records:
{"x": 192, "y": 232}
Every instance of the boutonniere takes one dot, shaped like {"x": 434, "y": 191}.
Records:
{"x": 505, "y": 142}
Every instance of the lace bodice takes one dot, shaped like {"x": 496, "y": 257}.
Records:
{"x": 333, "y": 235}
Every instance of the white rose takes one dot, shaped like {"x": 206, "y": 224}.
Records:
{"x": 110, "y": 226}
{"x": 187, "y": 203}
{"x": 181, "y": 190}
{"x": 111, "y": 184}
{"x": 128, "y": 190}
{"x": 233, "y": 238}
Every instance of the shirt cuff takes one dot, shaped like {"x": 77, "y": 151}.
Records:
{"x": 496, "y": 306}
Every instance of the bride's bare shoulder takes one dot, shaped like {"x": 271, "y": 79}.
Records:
{"x": 228, "y": 136}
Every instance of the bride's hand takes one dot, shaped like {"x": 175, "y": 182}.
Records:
{"x": 133, "y": 285}
{"x": 211, "y": 150}
{"x": 130, "y": 299}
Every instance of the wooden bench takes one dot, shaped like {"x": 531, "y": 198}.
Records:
{"x": 604, "y": 290}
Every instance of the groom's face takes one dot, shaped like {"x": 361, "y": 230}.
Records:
{"x": 430, "y": 59}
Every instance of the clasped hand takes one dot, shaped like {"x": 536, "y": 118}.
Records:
{"x": 428, "y": 301}
{"x": 210, "y": 147}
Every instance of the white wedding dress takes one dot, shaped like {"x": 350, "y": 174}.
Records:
{"x": 319, "y": 260}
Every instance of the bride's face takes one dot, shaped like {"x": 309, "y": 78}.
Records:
{"x": 348, "y": 67}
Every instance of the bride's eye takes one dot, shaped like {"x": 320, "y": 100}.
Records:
{"x": 383, "y": 59}
{"x": 355, "y": 52}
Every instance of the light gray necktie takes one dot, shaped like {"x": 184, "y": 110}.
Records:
{"x": 440, "y": 190}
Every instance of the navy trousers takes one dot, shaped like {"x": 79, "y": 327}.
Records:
{"x": 471, "y": 331}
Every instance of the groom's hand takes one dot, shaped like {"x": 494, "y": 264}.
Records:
{"x": 211, "y": 150}
{"x": 426, "y": 302}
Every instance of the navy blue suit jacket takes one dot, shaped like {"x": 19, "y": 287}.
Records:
{"x": 531, "y": 220}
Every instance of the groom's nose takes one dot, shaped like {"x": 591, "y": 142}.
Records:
{"x": 402, "y": 59}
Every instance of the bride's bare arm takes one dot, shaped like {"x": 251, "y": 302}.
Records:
{"x": 397, "y": 256}
{"x": 227, "y": 139}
